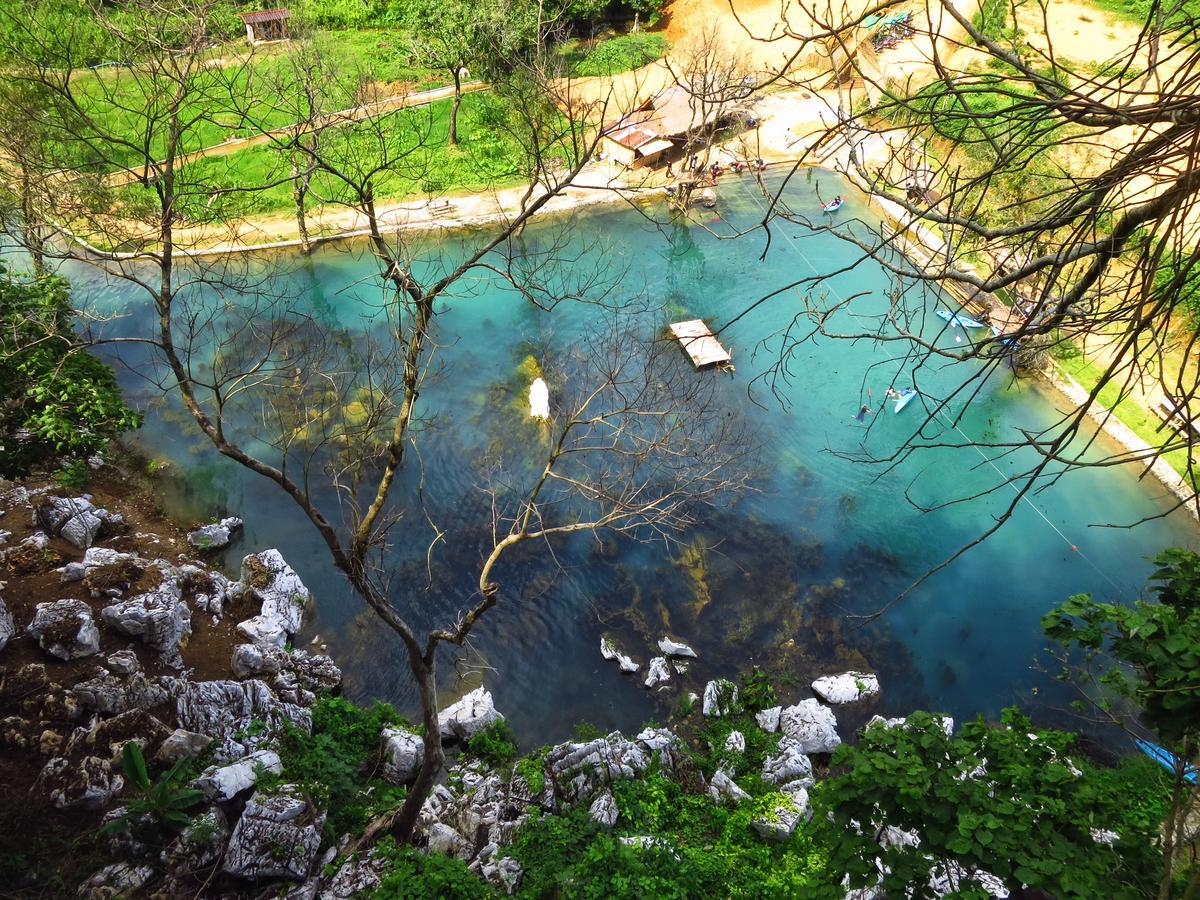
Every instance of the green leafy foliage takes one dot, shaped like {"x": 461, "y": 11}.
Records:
{"x": 757, "y": 692}
{"x": 161, "y": 806}
{"x": 1156, "y": 645}
{"x": 336, "y": 764}
{"x": 409, "y": 874}
{"x": 58, "y": 399}
{"x": 620, "y": 54}
{"x": 495, "y": 745}
{"x": 1177, "y": 278}
{"x": 1003, "y": 800}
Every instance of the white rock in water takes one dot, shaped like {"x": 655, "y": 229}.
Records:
{"x": 845, "y": 688}
{"x": 658, "y": 672}
{"x": 669, "y": 647}
{"x": 539, "y": 399}
{"x": 814, "y": 726}
{"x": 609, "y": 651}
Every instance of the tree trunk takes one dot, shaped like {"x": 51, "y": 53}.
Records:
{"x": 424, "y": 671}
{"x": 456, "y": 72}
{"x": 300, "y": 193}
{"x": 33, "y": 233}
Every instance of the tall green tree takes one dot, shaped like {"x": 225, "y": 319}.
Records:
{"x": 1144, "y": 658}
{"x": 917, "y": 807}
{"x": 56, "y": 399}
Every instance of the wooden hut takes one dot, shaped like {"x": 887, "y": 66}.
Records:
{"x": 266, "y": 25}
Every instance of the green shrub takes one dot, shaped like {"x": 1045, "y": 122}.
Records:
{"x": 335, "y": 764}
{"x": 620, "y": 54}
{"x": 494, "y": 745}
{"x": 410, "y": 874}
{"x": 74, "y": 474}
{"x": 757, "y": 692}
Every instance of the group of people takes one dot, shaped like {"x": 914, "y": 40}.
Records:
{"x": 716, "y": 170}
{"x": 865, "y": 410}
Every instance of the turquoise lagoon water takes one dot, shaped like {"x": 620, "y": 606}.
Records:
{"x": 820, "y": 537}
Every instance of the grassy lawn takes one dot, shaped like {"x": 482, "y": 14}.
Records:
{"x": 1140, "y": 420}
{"x": 118, "y": 99}
{"x": 416, "y": 138}
{"x": 609, "y": 57}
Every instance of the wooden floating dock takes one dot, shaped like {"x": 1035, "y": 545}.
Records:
{"x": 701, "y": 344}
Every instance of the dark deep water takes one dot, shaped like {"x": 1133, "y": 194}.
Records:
{"x": 819, "y": 537}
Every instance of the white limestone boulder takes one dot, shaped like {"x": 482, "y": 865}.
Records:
{"x": 721, "y": 698}
{"x": 464, "y": 719}
{"x": 784, "y": 816}
{"x": 609, "y": 650}
{"x": 657, "y": 672}
{"x": 65, "y": 629}
{"x": 668, "y": 647}
{"x": 276, "y": 837}
{"x": 222, "y": 783}
{"x": 814, "y": 726}
{"x": 848, "y": 687}
{"x": 403, "y": 752}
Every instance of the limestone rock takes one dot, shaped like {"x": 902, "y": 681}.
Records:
{"x": 225, "y": 710}
{"x": 276, "y": 837}
{"x": 721, "y": 698}
{"x": 788, "y": 763}
{"x": 609, "y": 651}
{"x": 899, "y": 722}
{"x": 445, "y": 840}
{"x": 657, "y": 739}
{"x": 505, "y": 873}
{"x": 768, "y": 719}
{"x": 107, "y": 737}
{"x": 474, "y": 712}
{"x": 403, "y": 753}
{"x": 271, "y": 580}
{"x": 123, "y": 662}
{"x": 214, "y": 537}
{"x": 358, "y": 876}
{"x": 604, "y": 809}
{"x": 812, "y": 724}
{"x": 181, "y": 744}
{"x": 668, "y": 647}
{"x": 846, "y": 687}
{"x": 221, "y": 783}
{"x": 65, "y": 628}
{"x": 721, "y": 786}
{"x": 110, "y": 694}
{"x": 657, "y": 672}
{"x": 784, "y": 817}
{"x": 76, "y": 519}
{"x": 735, "y": 742}
{"x": 578, "y": 770}
{"x": 71, "y": 572}
{"x": 258, "y": 659}
{"x": 82, "y": 529}
{"x": 269, "y": 630}
{"x": 159, "y": 617}
{"x": 114, "y": 881}
{"x": 88, "y": 783}
{"x": 7, "y": 627}
{"x": 200, "y": 843}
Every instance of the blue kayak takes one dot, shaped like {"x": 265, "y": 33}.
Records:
{"x": 957, "y": 318}
{"x": 1165, "y": 758}
{"x": 906, "y": 397}
{"x": 833, "y": 205}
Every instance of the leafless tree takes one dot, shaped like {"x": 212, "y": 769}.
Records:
{"x": 1055, "y": 197}
{"x": 636, "y": 447}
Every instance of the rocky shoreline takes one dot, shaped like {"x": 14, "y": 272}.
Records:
{"x": 111, "y": 635}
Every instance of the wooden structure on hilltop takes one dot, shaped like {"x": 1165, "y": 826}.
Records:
{"x": 701, "y": 344}
{"x": 266, "y": 25}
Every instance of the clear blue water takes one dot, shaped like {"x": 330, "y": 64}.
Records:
{"x": 821, "y": 535}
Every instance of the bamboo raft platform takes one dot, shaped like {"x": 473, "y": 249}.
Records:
{"x": 701, "y": 344}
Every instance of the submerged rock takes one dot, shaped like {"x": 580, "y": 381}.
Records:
{"x": 65, "y": 629}
{"x": 657, "y": 673}
{"x": 474, "y": 712}
{"x": 539, "y": 399}
{"x": 669, "y": 647}
{"x": 845, "y": 688}
{"x": 609, "y": 650}
{"x": 814, "y": 726}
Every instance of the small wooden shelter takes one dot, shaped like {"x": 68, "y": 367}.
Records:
{"x": 266, "y": 25}
{"x": 670, "y": 119}
{"x": 701, "y": 344}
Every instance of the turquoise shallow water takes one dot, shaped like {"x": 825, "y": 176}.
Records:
{"x": 819, "y": 537}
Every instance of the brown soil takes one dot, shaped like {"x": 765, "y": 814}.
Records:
{"x": 53, "y": 850}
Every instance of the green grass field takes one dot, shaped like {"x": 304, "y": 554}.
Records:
{"x": 1140, "y": 420}
{"x": 123, "y": 102}
{"x": 256, "y": 181}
